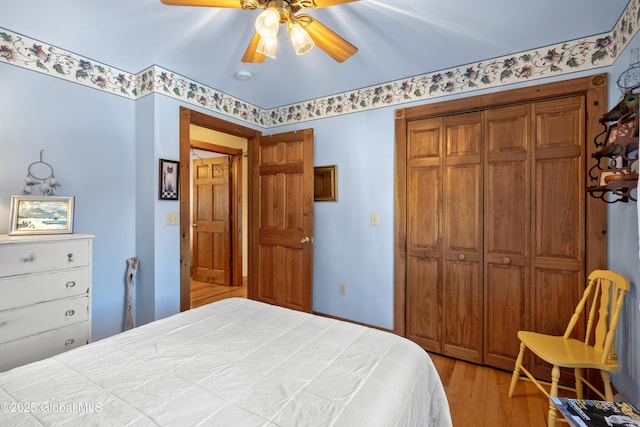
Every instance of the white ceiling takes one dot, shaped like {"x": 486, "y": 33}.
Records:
{"x": 396, "y": 39}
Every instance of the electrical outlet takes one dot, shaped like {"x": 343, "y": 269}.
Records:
{"x": 172, "y": 218}
{"x": 343, "y": 289}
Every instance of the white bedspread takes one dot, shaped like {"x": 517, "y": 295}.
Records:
{"x": 232, "y": 363}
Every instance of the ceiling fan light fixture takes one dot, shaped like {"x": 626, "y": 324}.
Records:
{"x": 268, "y": 46}
{"x": 267, "y": 23}
{"x": 300, "y": 38}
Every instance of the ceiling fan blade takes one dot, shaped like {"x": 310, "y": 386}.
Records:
{"x": 327, "y": 3}
{"x": 334, "y": 45}
{"x": 210, "y": 3}
{"x": 251, "y": 54}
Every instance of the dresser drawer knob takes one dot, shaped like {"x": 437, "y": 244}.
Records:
{"x": 506, "y": 260}
{"x": 70, "y": 256}
{"x": 69, "y": 342}
{"x": 461, "y": 257}
{"x": 29, "y": 258}
{"x": 70, "y": 313}
{"x": 71, "y": 284}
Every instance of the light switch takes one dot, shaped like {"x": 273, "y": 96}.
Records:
{"x": 172, "y": 218}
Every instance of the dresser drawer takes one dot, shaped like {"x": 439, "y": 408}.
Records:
{"x": 37, "y": 347}
{"x": 22, "y": 322}
{"x": 22, "y": 258}
{"x": 29, "y": 289}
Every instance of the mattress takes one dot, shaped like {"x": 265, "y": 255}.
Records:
{"x": 236, "y": 362}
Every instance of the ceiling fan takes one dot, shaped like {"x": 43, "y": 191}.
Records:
{"x": 305, "y": 31}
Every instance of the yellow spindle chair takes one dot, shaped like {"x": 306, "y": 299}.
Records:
{"x": 595, "y": 351}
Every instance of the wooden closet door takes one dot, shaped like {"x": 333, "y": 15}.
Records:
{"x": 424, "y": 224}
{"x": 462, "y": 281}
{"x": 558, "y": 227}
{"x": 507, "y": 232}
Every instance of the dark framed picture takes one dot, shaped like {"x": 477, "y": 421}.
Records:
{"x": 325, "y": 183}
{"x": 169, "y": 178}
{"x": 41, "y": 215}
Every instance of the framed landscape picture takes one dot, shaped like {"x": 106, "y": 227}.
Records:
{"x": 41, "y": 215}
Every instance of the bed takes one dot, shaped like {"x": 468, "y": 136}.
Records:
{"x": 236, "y": 362}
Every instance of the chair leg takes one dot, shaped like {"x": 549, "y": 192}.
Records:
{"x": 516, "y": 370}
{"x": 555, "y": 378}
{"x": 578, "y": 374}
{"x": 606, "y": 379}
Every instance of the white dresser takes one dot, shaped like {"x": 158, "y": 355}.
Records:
{"x": 45, "y": 296}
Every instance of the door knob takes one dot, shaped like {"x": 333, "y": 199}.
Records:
{"x": 305, "y": 239}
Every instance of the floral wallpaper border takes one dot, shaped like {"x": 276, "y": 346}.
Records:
{"x": 567, "y": 57}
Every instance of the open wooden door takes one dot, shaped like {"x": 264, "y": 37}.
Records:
{"x": 282, "y": 220}
{"x": 211, "y": 260}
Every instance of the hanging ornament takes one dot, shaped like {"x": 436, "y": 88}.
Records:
{"x": 41, "y": 174}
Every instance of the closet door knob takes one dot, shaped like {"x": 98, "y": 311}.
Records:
{"x": 506, "y": 260}
{"x": 461, "y": 257}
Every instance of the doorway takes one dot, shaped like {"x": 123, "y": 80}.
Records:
{"x": 279, "y": 205}
{"x": 213, "y": 191}
{"x": 191, "y": 122}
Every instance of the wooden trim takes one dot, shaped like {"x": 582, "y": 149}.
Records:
{"x": 203, "y": 145}
{"x": 329, "y": 316}
{"x": 594, "y": 88}
{"x": 400, "y": 224}
{"x": 190, "y": 117}
{"x": 577, "y": 86}
{"x": 596, "y": 212}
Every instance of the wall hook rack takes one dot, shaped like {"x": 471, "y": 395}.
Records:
{"x": 616, "y": 170}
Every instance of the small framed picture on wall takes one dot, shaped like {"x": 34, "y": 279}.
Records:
{"x": 169, "y": 176}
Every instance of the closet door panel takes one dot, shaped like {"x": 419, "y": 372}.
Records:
{"x": 558, "y": 217}
{"x": 505, "y": 313}
{"x": 507, "y": 229}
{"x": 462, "y": 310}
{"x": 423, "y": 296}
{"x": 424, "y": 241}
{"x": 462, "y": 282}
{"x": 424, "y": 222}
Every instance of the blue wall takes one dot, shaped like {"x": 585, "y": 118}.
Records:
{"x": 624, "y": 258}
{"x": 88, "y": 138}
{"x": 105, "y": 150}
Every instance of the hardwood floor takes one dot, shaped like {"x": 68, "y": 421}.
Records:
{"x": 203, "y": 293}
{"x": 478, "y": 395}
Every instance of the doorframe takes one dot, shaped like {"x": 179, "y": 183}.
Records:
{"x": 593, "y": 88}
{"x": 190, "y": 117}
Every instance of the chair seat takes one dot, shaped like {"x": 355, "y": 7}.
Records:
{"x": 570, "y": 353}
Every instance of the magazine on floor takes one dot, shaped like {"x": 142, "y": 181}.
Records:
{"x": 597, "y": 413}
